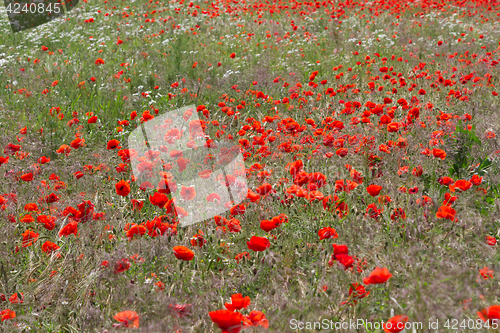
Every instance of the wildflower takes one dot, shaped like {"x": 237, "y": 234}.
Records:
{"x": 228, "y": 321}
{"x": 135, "y": 229}
{"x": 446, "y": 212}
{"x": 188, "y": 193}
{"x": 238, "y": 302}
{"x": 49, "y": 247}
{"x": 476, "y": 180}
{"x": 264, "y": 189}
{"x": 486, "y": 273}
{"x": 258, "y": 244}
{"x": 121, "y": 266}
{"x": 122, "y": 188}
{"x": 491, "y": 240}
{"x": 29, "y": 237}
{"x": 344, "y": 260}
{"x": 374, "y": 190}
{"x": 113, "y": 144}
{"x": 327, "y": 232}
{"x": 379, "y": 275}
{"x": 393, "y": 127}
{"x": 462, "y": 184}
{"x": 268, "y": 225}
{"x": 158, "y": 199}
{"x": 7, "y": 314}
{"x": 491, "y": 314}
{"x": 395, "y": 324}
{"x": 127, "y": 318}
{"x": 256, "y": 318}
{"x": 180, "y": 310}
{"x": 183, "y": 253}
{"x": 68, "y": 229}
{"x": 17, "y": 298}
{"x": 439, "y": 153}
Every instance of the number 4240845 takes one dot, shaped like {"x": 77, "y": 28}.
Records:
{"x": 33, "y": 8}
{"x": 471, "y": 324}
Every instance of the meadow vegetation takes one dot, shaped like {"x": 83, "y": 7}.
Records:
{"x": 368, "y": 131}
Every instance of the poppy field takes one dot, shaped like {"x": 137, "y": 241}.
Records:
{"x": 368, "y": 131}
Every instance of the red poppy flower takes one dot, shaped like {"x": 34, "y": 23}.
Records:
{"x": 344, "y": 260}
{"x": 358, "y": 291}
{"x": 188, "y": 193}
{"x": 393, "y": 127}
{"x": 136, "y": 204}
{"x": 68, "y": 229}
{"x": 446, "y": 212}
{"x": 43, "y": 160}
{"x": 327, "y": 232}
{"x": 491, "y": 314}
{"x": 486, "y": 273}
{"x": 379, "y": 275}
{"x": 29, "y": 237}
{"x": 374, "y": 190}
{"x": 27, "y": 177}
{"x": 183, "y": 253}
{"x": 27, "y": 219}
{"x": 122, "y": 188}
{"x": 64, "y": 149}
{"x": 449, "y": 199}
{"x": 77, "y": 143}
{"x": 232, "y": 55}
{"x": 135, "y": 229}
{"x": 258, "y": 243}
{"x": 339, "y": 249}
{"x": 445, "y": 181}
{"x": 47, "y": 221}
{"x": 14, "y": 299}
{"x": 49, "y": 247}
{"x": 180, "y": 310}
{"x": 462, "y": 184}
{"x": 491, "y": 240}
{"x": 158, "y": 199}
{"x": 268, "y": 225}
{"x": 51, "y": 198}
{"x": 264, "y": 189}
{"x": 395, "y": 324}
{"x": 7, "y": 314}
{"x": 31, "y": 207}
{"x": 238, "y": 302}
{"x": 342, "y": 152}
{"x": 476, "y": 180}
{"x": 127, "y": 318}
{"x": 10, "y": 149}
{"x": 113, "y": 144}
{"x": 256, "y": 318}
{"x": 228, "y": 321}
{"x": 439, "y": 153}
{"x": 121, "y": 266}
{"x": 296, "y": 167}
{"x": 237, "y": 210}
{"x": 252, "y": 196}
